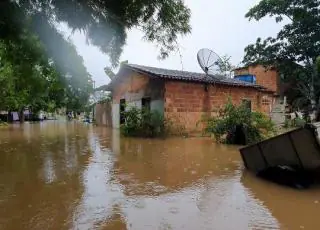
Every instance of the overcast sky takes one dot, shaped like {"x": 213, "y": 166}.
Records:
{"x": 219, "y": 25}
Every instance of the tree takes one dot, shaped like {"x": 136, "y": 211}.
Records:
{"x": 29, "y": 79}
{"x": 294, "y": 51}
{"x": 41, "y": 68}
{"x": 225, "y": 66}
{"x": 19, "y": 68}
{"x": 105, "y": 23}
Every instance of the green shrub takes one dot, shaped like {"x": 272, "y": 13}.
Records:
{"x": 2, "y": 123}
{"x": 299, "y": 122}
{"x": 287, "y": 123}
{"x": 143, "y": 123}
{"x": 255, "y": 124}
{"x": 295, "y": 123}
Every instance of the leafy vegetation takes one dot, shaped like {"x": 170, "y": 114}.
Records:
{"x": 105, "y": 23}
{"x": 296, "y": 122}
{"x": 295, "y": 49}
{"x": 41, "y": 69}
{"x": 225, "y": 66}
{"x": 256, "y": 125}
{"x": 3, "y": 124}
{"x": 30, "y": 79}
{"x": 143, "y": 123}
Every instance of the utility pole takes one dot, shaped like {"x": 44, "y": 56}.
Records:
{"x": 94, "y": 105}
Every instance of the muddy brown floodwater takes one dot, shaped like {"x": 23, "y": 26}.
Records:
{"x": 58, "y": 175}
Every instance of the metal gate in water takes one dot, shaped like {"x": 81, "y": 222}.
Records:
{"x": 299, "y": 147}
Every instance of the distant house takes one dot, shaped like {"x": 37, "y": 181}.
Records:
{"x": 183, "y": 97}
{"x": 268, "y": 78}
{"x": 14, "y": 116}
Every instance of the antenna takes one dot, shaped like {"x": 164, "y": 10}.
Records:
{"x": 209, "y": 62}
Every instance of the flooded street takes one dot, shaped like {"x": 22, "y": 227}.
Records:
{"x": 57, "y": 175}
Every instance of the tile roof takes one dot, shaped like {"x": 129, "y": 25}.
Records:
{"x": 189, "y": 76}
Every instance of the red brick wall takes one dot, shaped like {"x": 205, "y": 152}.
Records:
{"x": 267, "y": 78}
{"x": 186, "y": 103}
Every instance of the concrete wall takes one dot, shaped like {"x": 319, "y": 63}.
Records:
{"x": 137, "y": 103}
{"x": 102, "y": 114}
{"x": 187, "y": 103}
{"x": 133, "y": 87}
{"x": 158, "y": 105}
{"x": 267, "y": 78}
{"x": 115, "y": 116}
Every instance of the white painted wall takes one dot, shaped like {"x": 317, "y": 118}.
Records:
{"x": 154, "y": 105}
{"x": 137, "y": 104}
{"x": 116, "y": 116}
{"x": 157, "y": 105}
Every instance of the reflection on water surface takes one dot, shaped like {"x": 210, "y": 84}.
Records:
{"x": 57, "y": 175}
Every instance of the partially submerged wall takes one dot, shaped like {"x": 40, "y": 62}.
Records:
{"x": 102, "y": 114}
{"x": 133, "y": 88}
{"x": 186, "y": 103}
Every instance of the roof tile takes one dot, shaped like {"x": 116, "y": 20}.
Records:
{"x": 186, "y": 76}
{"x": 190, "y": 76}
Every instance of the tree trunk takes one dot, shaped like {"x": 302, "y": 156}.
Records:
{"x": 313, "y": 93}
{"x": 21, "y": 116}
{"x": 316, "y": 72}
{"x": 9, "y": 116}
{"x": 313, "y": 103}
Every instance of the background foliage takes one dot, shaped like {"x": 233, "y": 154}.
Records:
{"x": 40, "y": 68}
{"x": 105, "y": 23}
{"x": 295, "y": 49}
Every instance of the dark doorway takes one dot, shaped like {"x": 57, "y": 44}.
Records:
{"x": 145, "y": 102}
{"x": 122, "y": 110}
{"x": 247, "y": 103}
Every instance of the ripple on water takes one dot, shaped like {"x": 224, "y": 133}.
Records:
{"x": 174, "y": 210}
{"x": 103, "y": 181}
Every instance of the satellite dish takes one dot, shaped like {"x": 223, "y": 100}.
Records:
{"x": 209, "y": 62}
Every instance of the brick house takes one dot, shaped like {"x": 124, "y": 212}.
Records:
{"x": 183, "y": 97}
{"x": 268, "y": 78}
